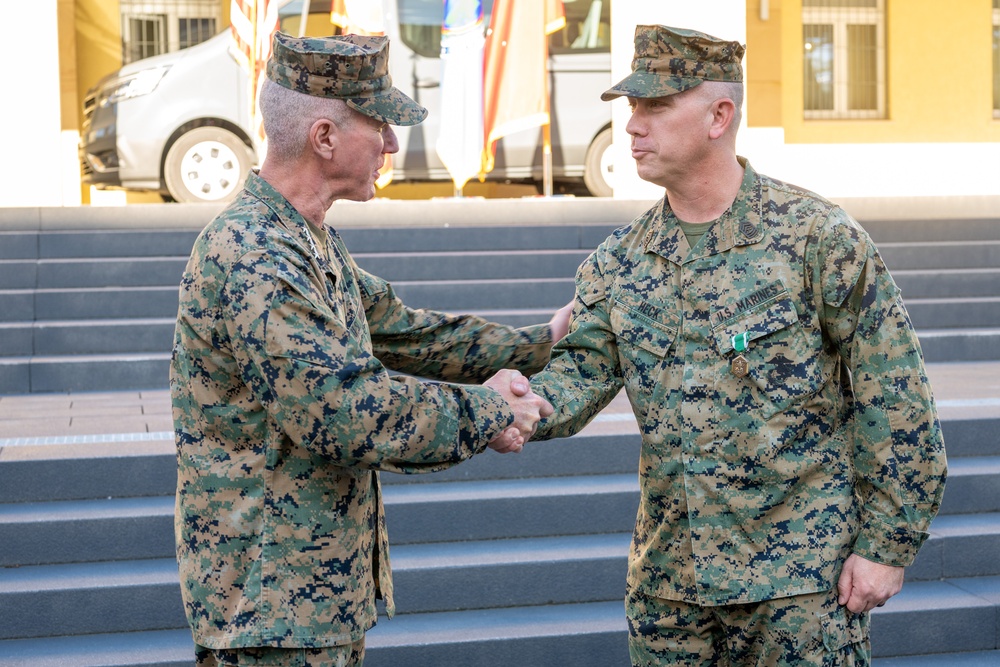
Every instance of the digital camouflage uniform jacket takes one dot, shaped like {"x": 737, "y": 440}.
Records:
{"x": 759, "y": 486}
{"x": 284, "y": 413}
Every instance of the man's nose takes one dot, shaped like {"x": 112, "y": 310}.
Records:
{"x": 390, "y": 143}
{"x": 634, "y": 127}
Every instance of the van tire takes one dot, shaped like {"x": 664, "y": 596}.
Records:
{"x": 597, "y": 167}
{"x": 207, "y": 164}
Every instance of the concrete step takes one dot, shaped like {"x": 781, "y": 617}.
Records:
{"x": 932, "y": 231}
{"x": 18, "y": 245}
{"x": 499, "y": 509}
{"x": 161, "y": 302}
{"x": 963, "y": 659}
{"x": 959, "y": 313}
{"x": 111, "y": 271}
{"x": 951, "y": 616}
{"x": 938, "y": 255}
{"x": 927, "y": 617}
{"x": 121, "y": 243}
{"x": 160, "y": 648}
{"x": 86, "y": 530}
{"x": 18, "y": 273}
{"x": 41, "y": 470}
{"x": 37, "y": 470}
{"x": 960, "y": 545}
{"x": 584, "y": 635}
{"x": 94, "y": 372}
{"x": 477, "y": 238}
{"x": 949, "y": 283}
{"x": 969, "y": 436}
{"x": 972, "y": 485}
{"x": 481, "y": 265}
{"x": 87, "y": 598}
{"x": 73, "y": 337}
{"x": 957, "y": 345}
{"x": 452, "y": 576}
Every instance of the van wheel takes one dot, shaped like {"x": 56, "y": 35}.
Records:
{"x": 207, "y": 164}
{"x": 597, "y": 168}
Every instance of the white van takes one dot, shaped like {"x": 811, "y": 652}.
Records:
{"x": 179, "y": 123}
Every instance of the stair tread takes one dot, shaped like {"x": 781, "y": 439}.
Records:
{"x": 971, "y": 659}
{"x": 159, "y": 647}
{"x": 86, "y": 510}
{"x": 509, "y": 488}
{"x": 508, "y": 623}
{"x": 503, "y": 552}
{"x": 74, "y": 576}
{"x": 965, "y": 525}
{"x": 944, "y": 594}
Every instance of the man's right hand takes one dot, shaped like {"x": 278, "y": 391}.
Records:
{"x": 528, "y": 408}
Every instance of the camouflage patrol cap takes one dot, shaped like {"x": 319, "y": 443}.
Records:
{"x": 353, "y": 68}
{"x": 672, "y": 60}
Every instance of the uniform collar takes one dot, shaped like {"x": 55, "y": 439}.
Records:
{"x": 740, "y": 225}
{"x": 289, "y": 218}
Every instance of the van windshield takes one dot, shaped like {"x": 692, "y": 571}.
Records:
{"x": 588, "y": 26}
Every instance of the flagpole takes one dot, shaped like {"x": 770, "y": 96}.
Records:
{"x": 304, "y": 18}
{"x": 547, "y": 128}
{"x": 547, "y": 159}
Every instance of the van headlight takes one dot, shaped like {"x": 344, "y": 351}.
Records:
{"x": 132, "y": 85}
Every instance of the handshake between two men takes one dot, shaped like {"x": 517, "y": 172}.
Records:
{"x": 528, "y": 407}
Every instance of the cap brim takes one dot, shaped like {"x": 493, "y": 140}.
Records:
{"x": 392, "y": 106}
{"x": 649, "y": 84}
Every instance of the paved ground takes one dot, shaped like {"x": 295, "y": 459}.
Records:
{"x": 962, "y": 390}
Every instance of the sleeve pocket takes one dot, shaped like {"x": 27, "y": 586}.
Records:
{"x": 912, "y": 431}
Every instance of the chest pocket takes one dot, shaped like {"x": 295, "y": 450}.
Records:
{"x": 783, "y": 367}
{"x": 645, "y": 335}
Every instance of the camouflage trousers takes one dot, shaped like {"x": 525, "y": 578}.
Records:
{"x": 800, "y": 631}
{"x": 348, "y": 655}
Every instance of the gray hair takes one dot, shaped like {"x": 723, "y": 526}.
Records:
{"x": 733, "y": 90}
{"x": 288, "y": 115}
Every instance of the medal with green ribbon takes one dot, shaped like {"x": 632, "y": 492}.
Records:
{"x": 739, "y": 365}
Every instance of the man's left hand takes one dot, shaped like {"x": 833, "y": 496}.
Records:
{"x": 864, "y": 585}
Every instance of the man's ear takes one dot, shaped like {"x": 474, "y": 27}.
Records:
{"x": 723, "y": 115}
{"x": 323, "y": 136}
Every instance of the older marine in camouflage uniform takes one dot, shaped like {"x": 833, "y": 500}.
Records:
{"x": 283, "y": 407}
{"x": 787, "y": 422}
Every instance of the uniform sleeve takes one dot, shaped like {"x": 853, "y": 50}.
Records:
{"x": 296, "y": 352}
{"x": 899, "y": 455}
{"x": 454, "y": 348}
{"x": 584, "y": 374}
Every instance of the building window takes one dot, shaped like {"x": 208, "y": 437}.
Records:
{"x": 843, "y": 58}
{"x": 996, "y": 58}
{"x": 143, "y": 36}
{"x": 152, "y": 27}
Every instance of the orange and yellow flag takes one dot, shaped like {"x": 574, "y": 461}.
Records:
{"x": 515, "y": 72}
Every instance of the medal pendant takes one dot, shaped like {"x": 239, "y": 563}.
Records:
{"x": 740, "y": 367}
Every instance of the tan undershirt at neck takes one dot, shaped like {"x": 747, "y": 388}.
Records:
{"x": 694, "y": 230}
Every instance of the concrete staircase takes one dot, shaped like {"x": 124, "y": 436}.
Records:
{"x": 503, "y": 560}
{"x": 85, "y": 311}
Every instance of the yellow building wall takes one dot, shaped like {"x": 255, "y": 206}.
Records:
{"x": 938, "y": 70}
{"x": 763, "y": 64}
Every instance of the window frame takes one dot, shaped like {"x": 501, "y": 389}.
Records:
{"x": 169, "y": 13}
{"x": 996, "y": 58}
{"x": 839, "y": 18}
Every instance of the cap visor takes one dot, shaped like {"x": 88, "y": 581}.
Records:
{"x": 649, "y": 84}
{"x": 393, "y": 107}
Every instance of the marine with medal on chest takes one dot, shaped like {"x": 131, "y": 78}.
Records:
{"x": 791, "y": 457}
